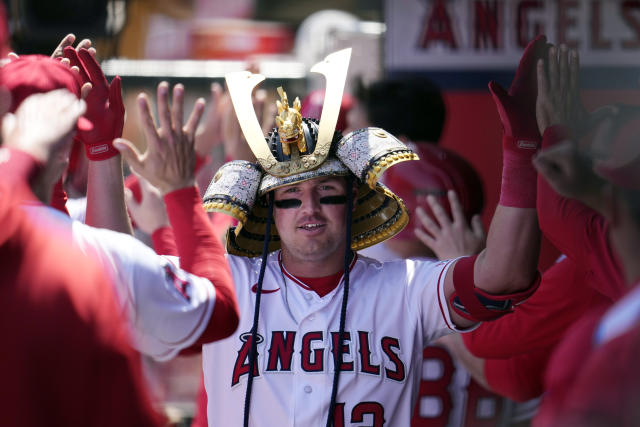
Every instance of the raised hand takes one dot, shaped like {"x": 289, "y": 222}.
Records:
{"x": 450, "y": 237}
{"x": 168, "y": 164}
{"x": 569, "y": 172}
{"x": 67, "y": 41}
{"x": 104, "y": 105}
{"x": 521, "y": 138}
{"x": 517, "y": 107}
{"x": 150, "y": 213}
{"x": 44, "y": 124}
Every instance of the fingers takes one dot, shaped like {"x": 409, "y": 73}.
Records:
{"x": 129, "y": 152}
{"x": 438, "y": 211}
{"x": 574, "y": 74}
{"x": 477, "y": 228}
{"x": 552, "y": 61}
{"x": 93, "y": 68}
{"x": 425, "y": 238}
{"x": 546, "y": 163}
{"x": 66, "y": 41}
{"x": 457, "y": 212}
{"x": 115, "y": 95}
{"x": 85, "y": 90}
{"x": 177, "y": 107}
{"x": 563, "y": 72}
{"x": 72, "y": 55}
{"x": 194, "y": 118}
{"x": 148, "y": 124}
{"x": 427, "y": 222}
{"x": 84, "y": 44}
{"x": 542, "y": 100}
{"x": 164, "y": 115}
{"x": 9, "y": 123}
{"x": 130, "y": 200}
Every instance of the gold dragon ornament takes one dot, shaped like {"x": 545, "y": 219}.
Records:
{"x": 289, "y": 122}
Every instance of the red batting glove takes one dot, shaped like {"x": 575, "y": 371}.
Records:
{"x": 521, "y": 140}
{"x": 104, "y": 106}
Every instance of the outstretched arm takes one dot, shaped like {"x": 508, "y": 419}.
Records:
{"x": 168, "y": 164}
{"x": 508, "y": 264}
{"x": 570, "y": 205}
{"x": 105, "y": 196}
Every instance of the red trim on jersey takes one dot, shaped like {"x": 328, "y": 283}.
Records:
{"x": 320, "y": 285}
{"x": 444, "y": 316}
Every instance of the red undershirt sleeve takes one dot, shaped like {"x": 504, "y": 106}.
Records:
{"x": 202, "y": 254}
{"x": 519, "y": 378}
{"x": 579, "y": 232}
{"x": 164, "y": 241}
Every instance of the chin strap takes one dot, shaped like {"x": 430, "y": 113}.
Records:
{"x": 345, "y": 297}
{"x": 253, "y": 354}
{"x": 477, "y": 305}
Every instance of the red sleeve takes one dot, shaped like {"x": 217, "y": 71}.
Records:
{"x": 564, "y": 366}
{"x": 519, "y": 378}
{"x": 580, "y": 233}
{"x": 201, "y": 253}
{"x": 563, "y": 296}
{"x": 200, "y": 418}
{"x": 164, "y": 242}
{"x": 17, "y": 171}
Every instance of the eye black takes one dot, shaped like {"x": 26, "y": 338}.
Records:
{"x": 333, "y": 200}
{"x": 288, "y": 203}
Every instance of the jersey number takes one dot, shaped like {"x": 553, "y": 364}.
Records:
{"x": 438, "y": 388}
{"x": 359, "y": 412}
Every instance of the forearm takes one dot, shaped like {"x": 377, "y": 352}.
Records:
{"x": 105, "y": 196}
{"x": 474, "y": 365}
{"x": 509, "y": 262}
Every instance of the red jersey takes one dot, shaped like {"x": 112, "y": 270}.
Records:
{"x": 602, "y": 387}
{"x": 66, "y": 358}
{"x": 517, "y": 347}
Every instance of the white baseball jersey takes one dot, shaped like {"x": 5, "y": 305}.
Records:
{"x": 167, "y": 308}
{"x": 620, "y": 318}
{"x": 394, "y": 309}
{"x": 448, "y": 395}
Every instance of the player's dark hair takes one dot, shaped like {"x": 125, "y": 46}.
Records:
{"x": 410, "y": 106}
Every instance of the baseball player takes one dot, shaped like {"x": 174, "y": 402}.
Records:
{"x": 66, "y": 356}
{"x": 192, "y": 309}
{"x": 602, "y": 193}
{"x": 336, "y": 338}
{"x": 455, "y": 385}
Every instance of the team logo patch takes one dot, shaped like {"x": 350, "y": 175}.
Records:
{"x": 181, "y": 285}
{"x": 254, "y": 289}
